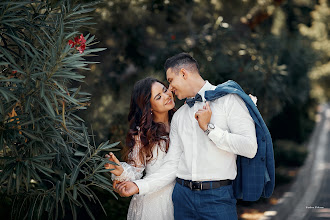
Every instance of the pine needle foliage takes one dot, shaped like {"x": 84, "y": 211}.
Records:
{"x": 49, "y": 164}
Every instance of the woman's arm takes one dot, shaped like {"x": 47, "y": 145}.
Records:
{"x": 127, "y": 171}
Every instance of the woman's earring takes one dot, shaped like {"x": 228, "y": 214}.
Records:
{"x": 151, "y": 112}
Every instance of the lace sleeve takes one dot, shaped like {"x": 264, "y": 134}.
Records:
{"x": 132, "y": 171}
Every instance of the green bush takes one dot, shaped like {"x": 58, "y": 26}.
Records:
{"x": 49, "y": 163}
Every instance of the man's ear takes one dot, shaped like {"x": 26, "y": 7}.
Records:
{"x": 184, "y": 73}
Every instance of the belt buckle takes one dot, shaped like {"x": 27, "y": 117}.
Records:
{"x": 196, "y": 184}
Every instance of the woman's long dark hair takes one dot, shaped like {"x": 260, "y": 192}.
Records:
{"x": 141, "y": 123}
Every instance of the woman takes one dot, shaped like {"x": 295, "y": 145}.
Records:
{"x": 151, "y": 110}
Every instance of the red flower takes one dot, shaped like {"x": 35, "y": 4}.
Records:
{"x": 81, "y": 48}
{"x": 79, "y": 43}
{"x": 14, "y": 71}
{"x": 173, "y": 37}
{"x": 82, "y": 40}
{"x": 71, "y": 43}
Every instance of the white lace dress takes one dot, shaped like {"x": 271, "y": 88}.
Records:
{"x": 157, "y": 205}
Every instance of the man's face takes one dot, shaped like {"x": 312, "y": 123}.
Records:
{"x": 177, "y": 83}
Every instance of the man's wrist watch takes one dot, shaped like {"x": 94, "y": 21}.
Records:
{"x": 209, "y": 128}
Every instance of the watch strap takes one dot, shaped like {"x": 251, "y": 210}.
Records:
{"x": 207, "y": 131}
{"x": 209, "y": 128}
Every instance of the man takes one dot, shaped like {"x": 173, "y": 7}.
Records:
{"x": 205, "y": 139}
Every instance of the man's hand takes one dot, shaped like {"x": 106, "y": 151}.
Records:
{"x": 203, "y": 116}
{"x": 126, "y": 189}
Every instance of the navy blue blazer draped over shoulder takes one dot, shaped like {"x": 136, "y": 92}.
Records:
{"x": 255, "y": 177}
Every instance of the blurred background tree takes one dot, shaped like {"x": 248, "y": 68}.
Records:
{"x": 318, "y": 32}
{"x": 277, "y": 50}
{"x": 257, "y": 44}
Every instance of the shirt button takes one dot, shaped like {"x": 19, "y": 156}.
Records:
{"x": 263, "y": 139}
{"x": 262, "y": 159}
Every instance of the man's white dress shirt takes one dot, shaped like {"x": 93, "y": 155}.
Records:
{"x": 193, "y": 155}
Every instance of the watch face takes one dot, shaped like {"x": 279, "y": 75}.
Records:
{"x": 211, "y": 126}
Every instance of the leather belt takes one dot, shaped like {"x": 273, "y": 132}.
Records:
{"x": 203, "y": 185}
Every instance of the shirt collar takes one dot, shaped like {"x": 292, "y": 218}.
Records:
{"x": 207, "y": 86}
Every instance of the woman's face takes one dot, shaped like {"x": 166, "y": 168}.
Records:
{"x": 161, "y": 98}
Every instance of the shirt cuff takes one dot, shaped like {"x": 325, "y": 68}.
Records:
{"x": 216, "y": 135}
{"x": 143, "y": 186}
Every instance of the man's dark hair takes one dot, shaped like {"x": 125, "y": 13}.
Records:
{"x": 181, "y": 59}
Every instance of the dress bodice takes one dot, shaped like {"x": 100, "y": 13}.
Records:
{"x": 158, "y": 158}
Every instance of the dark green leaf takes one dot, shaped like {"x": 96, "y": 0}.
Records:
{"x": 49, "y": 106}
{"x": 79, "y": 154}
{"x": 74, "y": 175}
{"x": 63, "y": 187}
{"x": 104, "y": 171}
{"x": 30, "y": 135}
{"x": 75, "y": 192}
{"x": 106, "y": 146}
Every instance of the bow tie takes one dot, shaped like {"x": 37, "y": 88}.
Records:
{"x": 191, "y": 102}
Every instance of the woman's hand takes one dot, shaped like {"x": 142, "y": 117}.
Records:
{"x": 114, "y": 185}
{"x": 126, "y": 189}
{"x": 116, "y": 169}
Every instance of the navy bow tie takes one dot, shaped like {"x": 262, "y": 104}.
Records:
{"x": 191, "y": 102}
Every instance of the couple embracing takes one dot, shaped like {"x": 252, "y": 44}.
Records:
{"x": 198, "y": 159}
